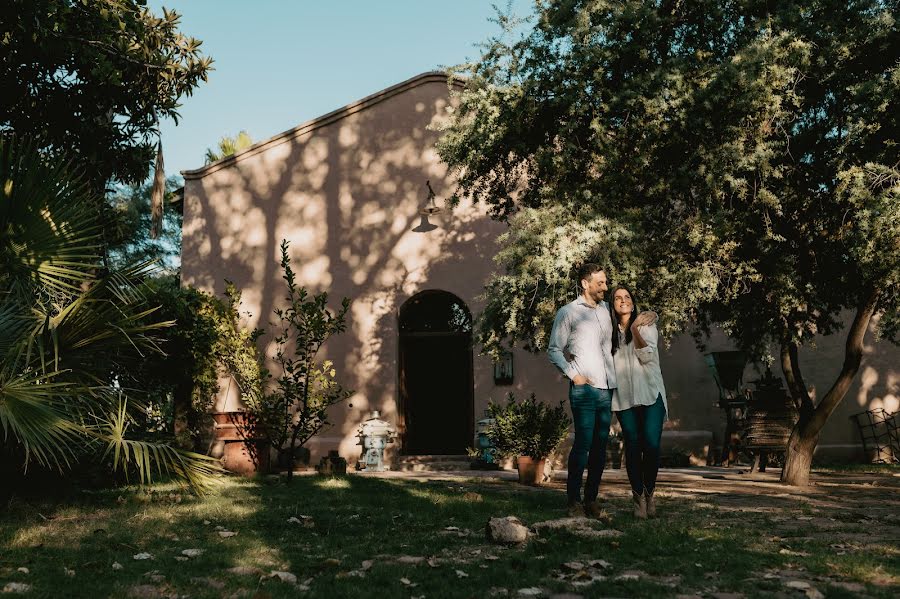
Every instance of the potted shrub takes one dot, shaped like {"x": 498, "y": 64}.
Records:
{"x": 528, "y": 430}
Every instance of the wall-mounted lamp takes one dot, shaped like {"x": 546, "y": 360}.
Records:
{"x": 503, "y": 369}
{"x": 424, "y": 226}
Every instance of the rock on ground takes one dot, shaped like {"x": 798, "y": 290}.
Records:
{"x": 507, "y": 530}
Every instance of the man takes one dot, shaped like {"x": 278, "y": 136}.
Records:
{"x": 583, "y": 328}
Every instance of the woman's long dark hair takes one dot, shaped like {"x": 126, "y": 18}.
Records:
{"x": 615, "y": 317}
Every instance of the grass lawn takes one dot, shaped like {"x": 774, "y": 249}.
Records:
{"x": 367, "y": 537}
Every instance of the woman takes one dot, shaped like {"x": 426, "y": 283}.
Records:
{"x": 640, "y": 399}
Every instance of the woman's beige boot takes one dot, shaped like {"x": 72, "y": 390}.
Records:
{"x": 640, "y": 505}
{"x": 651, "y": 503}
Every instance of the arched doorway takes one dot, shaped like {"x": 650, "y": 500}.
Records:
{"x": 436, "y": 383}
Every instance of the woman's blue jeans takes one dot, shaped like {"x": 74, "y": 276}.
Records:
{"x": 592, "y": 415}
{"x": 641, "y": 432}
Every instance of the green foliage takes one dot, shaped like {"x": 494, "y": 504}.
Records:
{"x": 93, "y": 80}
{"x": 228, "y": 146}
{"x": 66, "y": 325}
{"x": 195, "y": 469}
{"x": 294, "y": 407}
{"x": 736, "y": 162}
{"x": 530, "y": 428}
{"x": 206, "y": 343}
{"x": 127, "y": 240}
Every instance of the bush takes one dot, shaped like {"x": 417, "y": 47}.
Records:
{"x": 206, "y": 342}
{"x": 529, "y": 428}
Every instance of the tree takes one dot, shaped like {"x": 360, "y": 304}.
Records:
{"x": 94, "y": 79}
{"x": 66, "y": 330}
{"x": 293, "y": 407}
{"x": 736, "y": 161}
{"x": 228, "y": 146}
{"x": 127, "y": 239}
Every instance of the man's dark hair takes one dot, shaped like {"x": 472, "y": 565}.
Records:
{"x": 586, "y": 270}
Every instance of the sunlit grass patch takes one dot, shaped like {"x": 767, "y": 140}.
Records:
{"x": 333, "y": 483}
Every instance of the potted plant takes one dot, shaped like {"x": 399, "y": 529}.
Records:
{"x": 528, "y": 430}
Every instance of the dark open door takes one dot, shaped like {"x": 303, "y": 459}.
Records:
{"x": 436, "y": 383}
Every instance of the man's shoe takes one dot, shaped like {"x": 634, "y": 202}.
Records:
{"x": 651, "y": 503}
{"x": 575, "y": 509}
{"x": 640, "y": 505}
{"x": 593, "y": 510}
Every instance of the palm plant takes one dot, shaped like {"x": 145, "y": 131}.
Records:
{"x": 67, "y": 325}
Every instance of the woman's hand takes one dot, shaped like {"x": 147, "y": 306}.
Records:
{"x": 643, "y": 319}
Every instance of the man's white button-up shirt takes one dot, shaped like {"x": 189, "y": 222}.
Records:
{"x": 585, "y": 332}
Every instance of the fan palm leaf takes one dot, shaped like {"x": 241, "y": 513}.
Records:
{"x": 198, "y": 471}
{"x": 50, "y": 233}
{"x": 31, "y": 411}
{"x": 65, "y": 324}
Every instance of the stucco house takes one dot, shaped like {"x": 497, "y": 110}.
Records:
{"x": 347, "y": 190}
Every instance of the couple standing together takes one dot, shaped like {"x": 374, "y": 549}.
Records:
{"x": 612, "y": 366}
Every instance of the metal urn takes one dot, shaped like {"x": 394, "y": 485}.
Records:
{"x": 485, "y": 452}
{"x": 374, "y": 435}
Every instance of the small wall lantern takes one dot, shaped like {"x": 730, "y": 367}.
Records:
{"x": 503, "y": 369}
{"x": 424, "y": 225}
{"x": 374, "y": 435}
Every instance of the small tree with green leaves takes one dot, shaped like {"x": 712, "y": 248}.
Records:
{"x": 289, "y": 410}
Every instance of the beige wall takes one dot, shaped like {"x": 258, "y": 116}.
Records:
{"x": 345, "y": 191}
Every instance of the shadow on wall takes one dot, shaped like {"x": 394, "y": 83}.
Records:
{"x": 347, "y": 196}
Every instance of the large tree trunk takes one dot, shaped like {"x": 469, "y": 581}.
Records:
{"x": 805, "y": 436}
{"x": 798, "y": 459}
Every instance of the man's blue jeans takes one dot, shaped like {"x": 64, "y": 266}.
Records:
{"x": 641, "y": 432}
{"x": 592, "y": 414}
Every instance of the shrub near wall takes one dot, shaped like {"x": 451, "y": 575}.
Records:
{"x": 206, "y": 342}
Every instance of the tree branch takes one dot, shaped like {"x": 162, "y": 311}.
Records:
{"x": 852, "y": 359}
{"x": 790, "y": 366}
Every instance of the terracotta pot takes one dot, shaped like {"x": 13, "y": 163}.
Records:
{"x": 531, "y": 471}
{"x": 239, "y": 454}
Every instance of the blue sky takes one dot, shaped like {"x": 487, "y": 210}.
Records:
{"x": 279, "y": 63}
